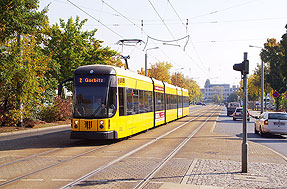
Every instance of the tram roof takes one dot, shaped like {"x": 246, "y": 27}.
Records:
{"x": 108, "y": 69}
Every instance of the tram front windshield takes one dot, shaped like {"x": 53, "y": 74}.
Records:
{"x": 94, "y": 96}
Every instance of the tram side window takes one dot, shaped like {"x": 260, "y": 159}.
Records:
{"x": 167, "y": 99}
{"x": 135, "y": 96}
{"x": 179, "y": 101}
{"x": 159, "y": 103}
{"x": 141, "y": 102}
{"x": 130, "y": 105}
{"x": 173, "y": 102}
{"x": 148, "y": 101}
{"x": 112, "y": 101}
{"x": 121, "y": 101}
{"x": 185, "y": 102}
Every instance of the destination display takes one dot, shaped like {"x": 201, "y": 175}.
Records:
{"x": 88, "y": 80}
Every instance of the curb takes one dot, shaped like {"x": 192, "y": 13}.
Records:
{"x": 34, "y": 130}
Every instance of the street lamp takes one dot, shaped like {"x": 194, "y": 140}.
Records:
{"x": 262, "y": 81}
{"x": 146, "y": 59}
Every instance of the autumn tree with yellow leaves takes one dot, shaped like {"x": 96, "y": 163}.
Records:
{"x": 161, "y": 71}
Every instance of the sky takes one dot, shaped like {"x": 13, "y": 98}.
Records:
{"x": 214, "y": 34}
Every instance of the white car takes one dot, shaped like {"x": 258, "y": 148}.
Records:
{"x": 271, "y": 122}
{"x": 238, "y": 114}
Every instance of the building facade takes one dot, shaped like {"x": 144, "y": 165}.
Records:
{"x": 222, "y": 90}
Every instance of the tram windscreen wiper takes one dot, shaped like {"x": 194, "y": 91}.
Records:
{"x": 98, "y": 111}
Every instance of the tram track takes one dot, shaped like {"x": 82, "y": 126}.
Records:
{"x": 17, "y": 178}
{"x": 147, "y": 179}
{"x": 149, "y": 176}
{"x": 49, "y": 166}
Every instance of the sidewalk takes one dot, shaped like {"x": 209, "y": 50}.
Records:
{"x": 31, "y": 130}
{"x": 216, "y": 163}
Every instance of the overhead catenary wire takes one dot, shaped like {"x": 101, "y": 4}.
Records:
{"x": 221, "y": 10}
{"x": 174, "y": 37}
{"x": 161, "y": 19}
{"x": 141, "y": 27}
{"x": 95, "y": 19}
{"x": 203, "y": 64}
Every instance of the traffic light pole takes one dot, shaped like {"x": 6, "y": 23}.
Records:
{"x": 244, "y": 69}
{"x": 244, "y": 129}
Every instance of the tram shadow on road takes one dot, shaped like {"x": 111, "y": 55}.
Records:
{"x": 60, "y": 139}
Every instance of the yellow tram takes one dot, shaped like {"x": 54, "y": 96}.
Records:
{"x": 112, "y": 103}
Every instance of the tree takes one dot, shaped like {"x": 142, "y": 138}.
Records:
{"x": 216, "y": 99}
{"x": 233, "y": 97}
{"x": 70, "y": 48}
{"x": 272, "y": 54}
{"x": 160, "y": 71}
{"x": 22, "y": 80}
{"x": 193, "y": 90}
{"x": 177, "y": 79}
{"x": 283, "y": 42}
{"x": 254, "y": 87}
{"x": 20, "y": 17}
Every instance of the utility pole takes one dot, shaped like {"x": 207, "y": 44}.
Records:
{"x": 146, "y": 59}
{"x": 262, "y": 87}
{"x": 244, "y": 68}
{"x": 19, "y": 88}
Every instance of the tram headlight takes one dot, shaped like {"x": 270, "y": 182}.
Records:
{"x": 76, "y": 124}
{"x": 101, "y": 124}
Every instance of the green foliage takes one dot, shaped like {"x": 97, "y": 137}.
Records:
{"x": 22, "y": 79}
{"x": 59, "y": 110}
{"x": 70, "y": 48}
{"x": 193, "y": 90}
{"x": 20, "y": 17}
{"x": 217, "y": 99}
{"x": 233, "y": 97}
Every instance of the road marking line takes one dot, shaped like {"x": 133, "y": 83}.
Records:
{"x": 32, "y": 180}
{"x": 189, "y": 171}
{"x": 213, "y": 126}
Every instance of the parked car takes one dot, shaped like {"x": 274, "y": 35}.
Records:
{"x": 231, "y": 106}
{"x": 271, "y": 122}
{"x": 238, "y": 114}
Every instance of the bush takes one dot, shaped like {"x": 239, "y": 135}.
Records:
{"x": 60, "y": 110}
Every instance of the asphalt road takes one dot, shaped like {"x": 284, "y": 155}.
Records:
{"x": 225, "y": 125}
{"x": 49, "y": 159}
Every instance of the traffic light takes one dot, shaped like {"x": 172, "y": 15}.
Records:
{"x": 243, "y": 67}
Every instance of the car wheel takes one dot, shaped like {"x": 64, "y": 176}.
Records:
{"x": 255, "y": 131}
{"x": 261, "y": 133}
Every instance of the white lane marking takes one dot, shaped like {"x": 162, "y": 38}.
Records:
{"x": 32, "y": 180}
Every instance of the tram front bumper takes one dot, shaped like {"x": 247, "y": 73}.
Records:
{"x": 92, "y": 135}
